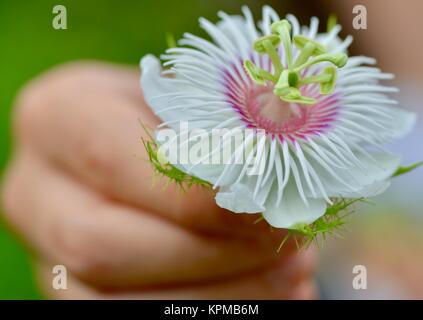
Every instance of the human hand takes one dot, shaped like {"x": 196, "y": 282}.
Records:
{"x": 79, "y": 192}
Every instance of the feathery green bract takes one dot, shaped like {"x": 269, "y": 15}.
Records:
{"x": 332, "y": 223}
{"x": 180, "y": 178}
{"x": 403, "y": 170}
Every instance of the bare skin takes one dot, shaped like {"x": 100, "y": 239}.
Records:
{"x": 401, "y": 20}
{"x": 80, "y": 194}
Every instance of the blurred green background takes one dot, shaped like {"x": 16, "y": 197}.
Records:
{"x": 119, "y": 31}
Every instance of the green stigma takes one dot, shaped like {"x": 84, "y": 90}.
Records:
{"x": 286, "y": 75}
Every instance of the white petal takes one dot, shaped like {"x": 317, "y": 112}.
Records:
{"x": 175, "y": 100}
{"x": 237, "y": 31}
{"x": 404, "y": 122}
{"x": 292, "y": 209}
{"x": 366, "y": 182}
{"x": 371, "y": 190}
{"x": 154, "y": 85}
{"x": 211, "y": 172}
{"x": 238, "y": 198}
{"x": 385, "y": 166}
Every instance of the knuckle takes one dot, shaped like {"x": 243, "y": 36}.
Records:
{"x": 80, "y": 248}
{"x": 30, "y": 107}
{"x": 48, "y": 90}
{"x": 97, "y": 158}
{"x": 8, "y": 195}
{"x": 11, "y": 191}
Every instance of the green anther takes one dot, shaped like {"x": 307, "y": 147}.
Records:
{"x": 261, "y": 44}
{"x": 293, "y": 95}
{"x": 268, "y": 44}
{"x": 258, "y": 75}
{"x": 327, "y": 87}
{"x": 324, "y": 77}
{"x": 283, "y": 29}
{"x": 338, "y": 59}
{"x": 307, "y": 51}
{"x": 283, "y": 84}
{"x": 288, "y": 79}
{"x": 280, "y": 27}
{"x": 326, "y": 80}
{"x": 308, "y": 48}
{"x": 301, "y": 42}
{"x": 253, "y": 72}
{"x": 289, "y": 93}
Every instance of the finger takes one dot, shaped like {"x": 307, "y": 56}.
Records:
{"x": 288, "y": 280}
{"x": 113, "y": 245}
{"x": 92, "y": 129}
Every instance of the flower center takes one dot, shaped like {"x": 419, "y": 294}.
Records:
{"x": 274, "y": 109}
{"x": 260, "y": 108}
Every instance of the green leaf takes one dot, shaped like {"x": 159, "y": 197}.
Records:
{"x": 402, "y": 170}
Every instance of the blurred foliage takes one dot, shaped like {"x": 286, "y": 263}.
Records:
{"x": 118, "y": 31}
